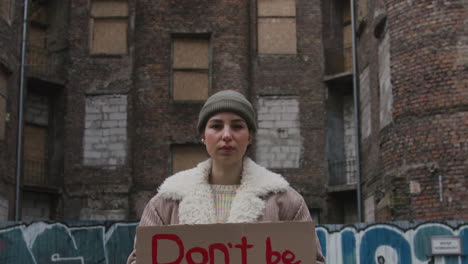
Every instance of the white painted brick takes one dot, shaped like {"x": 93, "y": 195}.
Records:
{"x": 90, "y": 109}
{"x": 116, "y": 146}
{"x": 118, "y": 131}
{"x": 118, "y": 116}
{"x": 276, "y": 109}
{"x": 287, "y": 164}
{"x": 266, "y": 116}
{"x": 106, "y": 132}
{"x": 294, "y": 131}
{"x": 275, "y": 140}
{"x": 92, "y": 154}
{"x": 285, "y": 124}
{"x": 275, "y": 164}
{"x": 110, "y": 124}
{"x": 123, "y": 123}
{"x": 93, "y": 117}
{"x": 276, "y": 149}
{"x": 100, "y": 147}
{"x": 281, "y": 156}
{"x": 291, "y": 109}
{"x": 110, "y": 109}
{"x": 93, "y": 132}
{"x": 289, "y": 117}
{"x": 266, "y": 124}
{"x": 118, "y": 153}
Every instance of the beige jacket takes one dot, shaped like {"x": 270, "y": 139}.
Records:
{"x": 186, "y": 198}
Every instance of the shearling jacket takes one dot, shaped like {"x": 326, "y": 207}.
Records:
{"x": 186, "y": 198}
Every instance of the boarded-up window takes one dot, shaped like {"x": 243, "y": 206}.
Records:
{"x": 5, "y": 9}
{"x": 277, "y": 27}
{"x": 347, "y": 37}
{"x": 190, "y": 69}
{"x": 109, "y": 27}
{"x": 35, "y": 154}
{"x": 185, "y": 157}
{"x": 37, "y": 49}
{"x": 362, "y": 10}
{"x": 3, "y": 97}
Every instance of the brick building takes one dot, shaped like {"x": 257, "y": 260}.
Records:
{"x": 113, "y": 89}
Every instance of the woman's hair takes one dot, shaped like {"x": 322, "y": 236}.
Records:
{"x": 227, "y": 101}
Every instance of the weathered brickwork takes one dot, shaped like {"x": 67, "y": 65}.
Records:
{"x": 160, "y": 122}
{"x": 419, "y": 101}
{"x": 3, "y": 209}
{"x": 112, "y": 121}
{"x": 105, "y": 139}
{"x": 96, "y": 191}
{"x": 9, "y": 57}
{"x": 279, "y": 142}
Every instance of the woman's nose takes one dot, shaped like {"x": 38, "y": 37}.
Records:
{"x": 227, "y": 135}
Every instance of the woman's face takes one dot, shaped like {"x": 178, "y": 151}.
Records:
{"x": 226, "y": 137}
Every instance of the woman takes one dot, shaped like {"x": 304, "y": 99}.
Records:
{"x": 228, "y": 187}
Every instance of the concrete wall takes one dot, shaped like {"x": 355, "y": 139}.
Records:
{"x": 93, "y": 242}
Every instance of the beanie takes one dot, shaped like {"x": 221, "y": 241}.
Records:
{"x": 227, "y": 101}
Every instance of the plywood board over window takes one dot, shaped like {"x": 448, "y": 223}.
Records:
{"x": 35, "y": 154}
{"x": 276, "y": 27}
{"x": 190, "y": 68}
{"x": 276, "y": 8}
{"x": 185, "y": 157}
{"x": 5, "y": 10}
{"x": 109, "y": 27}
{"x": 277, "y": 36}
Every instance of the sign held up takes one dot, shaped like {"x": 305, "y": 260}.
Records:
{"x": 246, "y": 243}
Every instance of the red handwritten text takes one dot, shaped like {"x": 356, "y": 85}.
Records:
{"x": 207, "y": 256}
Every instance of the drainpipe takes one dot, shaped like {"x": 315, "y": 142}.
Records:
{"x": 19, "y": 136}
{"x": 356, "y": 111}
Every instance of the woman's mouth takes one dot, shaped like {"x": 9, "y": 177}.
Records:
{"x": 226, "y": 148}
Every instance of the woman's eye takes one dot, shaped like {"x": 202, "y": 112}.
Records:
{"x": 216, "y": 126}
{"x": 237, "y": 127}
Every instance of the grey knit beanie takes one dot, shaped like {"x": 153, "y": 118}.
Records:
{"x": 227, "y": 101}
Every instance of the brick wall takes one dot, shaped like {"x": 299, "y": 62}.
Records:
{"x": 92, "y": 191}
{"x": 9, "y": 56}
{"x": 279, "y": 142}
{"x": 418, "y": 101}
{"x": 160, "y": 122}
{"x": 105, "y": 135}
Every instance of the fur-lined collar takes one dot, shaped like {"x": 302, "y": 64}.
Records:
{"x": 196, "y": 205}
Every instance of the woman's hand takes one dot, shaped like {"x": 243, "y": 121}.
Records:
{"x": 132, "y": 258}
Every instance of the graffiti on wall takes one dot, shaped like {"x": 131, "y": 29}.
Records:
{"x": 110, "y": 243}
{"x": 43, "y": 243}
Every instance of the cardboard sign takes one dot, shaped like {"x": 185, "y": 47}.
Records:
{"x": 248, "y": 243}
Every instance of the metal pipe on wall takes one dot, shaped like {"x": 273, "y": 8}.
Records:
{"x": 356, "y": 111}
{"x": 20, "y": 131}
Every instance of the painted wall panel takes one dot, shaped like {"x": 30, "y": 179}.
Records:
{"x": 105, "y": 242}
